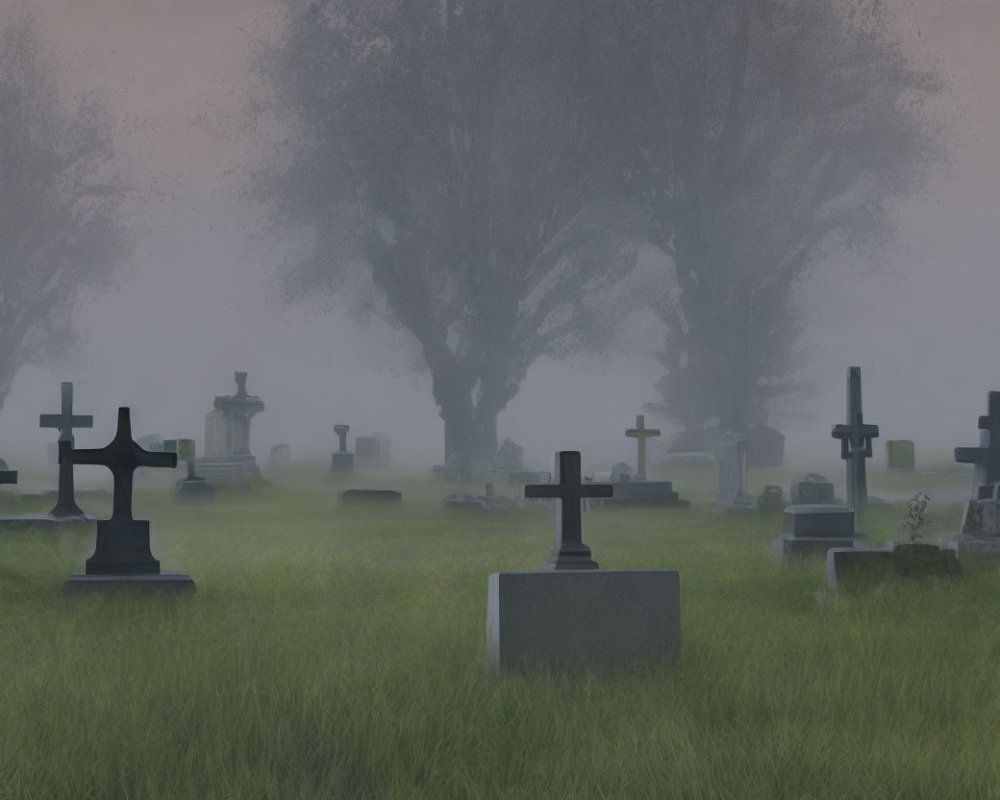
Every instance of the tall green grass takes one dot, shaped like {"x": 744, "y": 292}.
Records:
{"x": 339, "y": 653}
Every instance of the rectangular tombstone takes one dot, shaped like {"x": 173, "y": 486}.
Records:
{"x": 805, "y": 521}
{"x": 353, "y": 497}
{"x": 367, "y": 451}
{"x": 582, "y": 618}
{"x": 765, "y": 447}
{"x": 900, "y": 455}
{"x": 811, "y": 491}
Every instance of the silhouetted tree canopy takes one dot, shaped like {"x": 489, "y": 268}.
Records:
{"x": 58, "y": 196}
{"x": 461, "y": 155}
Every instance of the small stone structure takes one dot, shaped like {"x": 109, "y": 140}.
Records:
{"x": 855, "y": 447}
{"x": 900, "y": 455}
{"x": 765, "y": 447}
{"x": 811, "y": 488}
{"x": 808, "y": 530}
{"x": 732, "y": 463}
{"x": 342, "y": 460}
{"x": 191, "y": 488}
{"x": 228, "y": 460}
{"x": 860, "y": 567}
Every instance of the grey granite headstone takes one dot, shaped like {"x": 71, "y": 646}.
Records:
{"x": 900, "y": 455}
{"x": 811, "y": 488}
{"x": 812, "y": 530}
{"x": 765, "y": 446}
{"x": 731, "y": 460}
{"x": 228, "y": 459}
{"x": 342, "y": 461}
{"x": 855, "y": 447}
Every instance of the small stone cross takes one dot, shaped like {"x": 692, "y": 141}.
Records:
{"x": 855, "y": 446}
{"x": 640, "y": 433}
{"x": 122, "y": 456}
{"x": 986, "y": 457}
{"x": 569, "y": 552}
{"x": 341, "y": 431}
{"x": 65, "y": 421}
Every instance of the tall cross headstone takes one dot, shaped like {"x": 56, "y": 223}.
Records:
{"x": 640, "y": 433}
{"x": 986, "y": 457}
{"x": 122, "y": 542}
{"x": 569, "y": 551}
{"x": 65, "y": 421}
{"x": 855, "y": 446}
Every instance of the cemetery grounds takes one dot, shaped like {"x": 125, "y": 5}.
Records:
{"x": 339, "y": 653}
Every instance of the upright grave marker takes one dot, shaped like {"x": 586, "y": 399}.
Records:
{"x": 640, "y": 433}
{"x": 192, "y": 488}
{"x": 570, "y": 613}
{"x": 732, "y": 462}
{"x": 569, "y": 552}
{"x": 65, "y": 421}
{"x": 228, "y": 459}
{"x": 342, "y": 460}
{"x": 122, "y": 557}
{"x": 855, "y": 446}
{"x": 986, "y": 457}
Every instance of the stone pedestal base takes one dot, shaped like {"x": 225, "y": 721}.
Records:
{"x": 581, "y": 618}
{"x": 342, "y": 462}
{"x": 165, "y": 581}
{"x": 234, "y": 473}
{"x": 122, "y": 549}
{"x": 193, "y": 490}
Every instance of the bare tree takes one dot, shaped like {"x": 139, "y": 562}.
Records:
{"x": 463, "y": 156}
{"x": 58, "y": 197}
{"x": 781, "y": 131}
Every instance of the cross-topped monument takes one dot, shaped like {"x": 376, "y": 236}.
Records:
{"x": 640, "y": 433}
{"x": 855, "y": 446}
{"x": 986, "y": 457}
{"x": 65, "y": 421}
{"x": 122, "y": 542}
{"x": 569, "y": 552}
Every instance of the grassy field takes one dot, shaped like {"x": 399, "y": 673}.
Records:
{"x": 339, "y": 653}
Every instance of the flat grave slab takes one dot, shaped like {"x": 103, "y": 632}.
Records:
{"x": 861, "y": 567}
{"x": 357, "y": 497}
{"x": 161, "y": 582}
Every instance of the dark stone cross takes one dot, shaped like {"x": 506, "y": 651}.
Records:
{"x": 65, "y": 421}
{"x": 122, "y": 542}
{"x": 986, "y": 457}
{"x": 640, "y": 433}
{"x": 855, "y": 446}
{"x": 569, "y": 552}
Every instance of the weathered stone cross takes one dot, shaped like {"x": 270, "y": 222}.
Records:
{"x": 855, "y": 446}
{"x": 341, "y": 431}
{"x": 640, "y": 433}
{"x": 65, "y": 421}
{"x": 569, "y": 552}
{"x": 122, "y": 457}
{"x": 986, "y": 457}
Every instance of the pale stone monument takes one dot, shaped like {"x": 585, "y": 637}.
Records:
{"x": 228, "y": 459}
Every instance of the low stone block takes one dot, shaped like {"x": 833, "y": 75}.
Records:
{"x": 579, "y": 618}
{"x": 824, "y": 521}
{"x": 351, "y": 497}
{"x": 787, "y": 546}
{"x": 643, "y": 493}
{"x": 859, "y": 567}
{"x": 194, "y": 491}
{"x": 813, "y": 490}
{"x": 342, "y": 462}
{"x": 900, "y": 455}
{"x": 160, "y": 582}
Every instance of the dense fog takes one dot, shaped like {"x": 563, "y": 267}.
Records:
{"x": 197, "y": 300}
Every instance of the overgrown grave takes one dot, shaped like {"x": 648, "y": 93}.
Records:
{"x": 122, "y": 557}
{"x": 570, "y": 613}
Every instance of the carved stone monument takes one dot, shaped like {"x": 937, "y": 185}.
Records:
{"x": 732, "y": 463}
{"x": 855, "y": 447}
{"x": 228, "y": 460}
{"x": 342, "y": 461}
{"x": 65, "y": 421}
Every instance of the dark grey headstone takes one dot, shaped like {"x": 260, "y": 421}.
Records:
{"x": 350, "y": 497}
{"x": 765, "y": 447}
{"x": 900, "y": 455}
{"x": 812, "y": 488}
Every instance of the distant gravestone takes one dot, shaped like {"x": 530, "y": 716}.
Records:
{"x": 192, "y": 488}
{"x": 572, "y": 614}
{"x": 772, "y": 499}
{"x": 855, "y": 447}
{"x": 122, "y": 558}
{"x": 900, "y": 455}
{"x": 809, "y": 530}
{"x": 810, "y": 489}
{"x": 280, "y": 457}
{"x": 228, "y": 459}
{"x": 765, "y": 447}
{"x": 731, "y": 459}
{"x": 355, "y": 497}
{"x": 342, "y": 460}
{"x": 152, "y": 442}
{"x": 367, "y": 451}
{"x": 621, "y": 473}
{"x": 509, "y": 457}
{"x": 66, "y": 421}
{"x": 641, "y": 433}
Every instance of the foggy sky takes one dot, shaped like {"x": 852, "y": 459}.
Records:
{"x": 194, "y": 303}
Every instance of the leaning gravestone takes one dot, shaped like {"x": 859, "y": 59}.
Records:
{"x": 765, "y": 447}
{"x": 571, "y": 613}
{"x": 228, "y": 460}
{"x": 192, "y": 488}
{"x": 855, "y": 447}
{"x": 900, "y": 455}
{"x": 122, "y": 558}
{"x": 342, "y": 460}
{"x": 732, "y": 463}
{"x": 66, "y": 421}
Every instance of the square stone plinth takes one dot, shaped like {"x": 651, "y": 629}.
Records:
{"x": 160, "y": 582}
{"x": 580, "y": 618}
{"x": 820, "y": 520}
